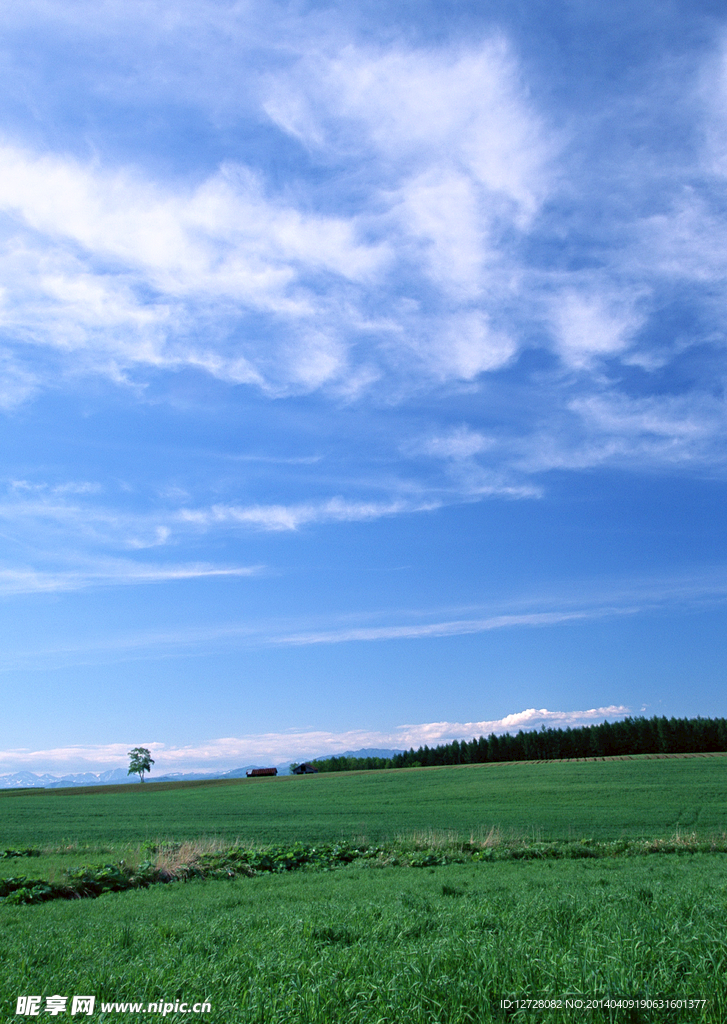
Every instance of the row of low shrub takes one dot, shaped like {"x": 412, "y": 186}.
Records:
{"x": 94, "y": 881}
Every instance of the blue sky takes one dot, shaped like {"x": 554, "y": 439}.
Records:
{"x": 361, "y": 373}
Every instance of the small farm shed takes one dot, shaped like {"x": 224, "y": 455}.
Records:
{"x": 305, "y": 769}
{"x": 255, "y": 773}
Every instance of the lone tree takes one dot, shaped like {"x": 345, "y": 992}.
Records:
{"x": 141, "y": 761}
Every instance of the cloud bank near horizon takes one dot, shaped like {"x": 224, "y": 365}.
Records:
{"x": 234, "y": 752}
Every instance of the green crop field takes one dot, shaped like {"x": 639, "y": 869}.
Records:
{"x": 450, "y": 926}
{"x": 602, "y": 799}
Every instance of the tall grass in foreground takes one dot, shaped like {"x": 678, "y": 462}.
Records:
{"x": 369, "y": 944}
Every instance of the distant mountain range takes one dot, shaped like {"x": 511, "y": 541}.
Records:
{"x": 117, "y": 776}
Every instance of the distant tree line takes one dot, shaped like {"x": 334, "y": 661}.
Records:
{"x": 609, "y": 739}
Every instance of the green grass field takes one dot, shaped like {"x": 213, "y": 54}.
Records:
{"x": 602, "y": 799}
{"x": 372, "y": 943}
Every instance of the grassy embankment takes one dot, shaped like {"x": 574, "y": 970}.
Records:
{"x": 371, "y": 942}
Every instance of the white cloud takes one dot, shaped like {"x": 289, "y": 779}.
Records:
{"x": 403, "y": 262}
{"x": 461, "y": 443}
{"x": 659, "y": 429}
{"x": 89, "y": 526}
{"x": 233, "y": 752}
{"x": 18, "y": 383}
{"x": 173, "y": 258}
{"x": 110, "y": 573}
{"x": 684, "y": 244}
{"x": 461, "y": 160}
{"x": 713, "y": 97}
{"x": 468, "y": 347}
{"x": 222, "y": 238}
{"x": 670, "y": 417}
{"x": 114, "y": 270}
{"x": 460, "y": 627}
{"x": 463, "y": 107}
{"x": 591, "y": 325}
{"x": 440, "y": 210}
{"x": 609, "y": 428}
{"x": 291, "y": 517}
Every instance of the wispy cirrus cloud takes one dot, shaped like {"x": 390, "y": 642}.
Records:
{"x": 20, "y": 580}
{"x": 589, "y": 601}
{"x": 85, "y": 516}
{"x": 456, "y": 627}
{"x": 101, "y": 524}
{"x": 457, "y": 444}
{"x": 612, "y": 429}
{"x": 292, "y": 517}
